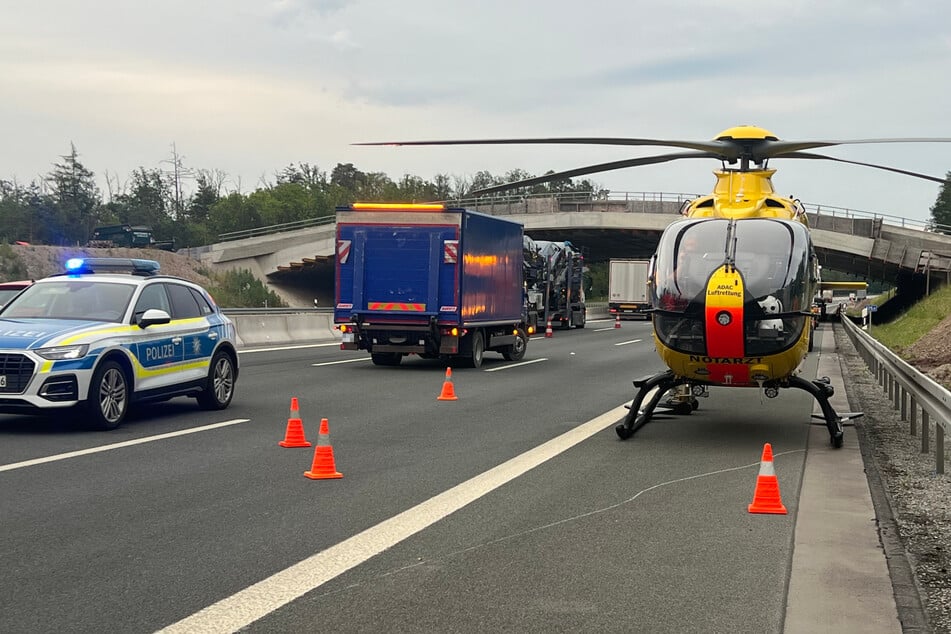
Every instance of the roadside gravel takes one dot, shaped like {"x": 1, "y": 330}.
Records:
{"x": 912, "y": 498}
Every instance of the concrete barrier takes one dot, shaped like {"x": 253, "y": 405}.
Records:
{"x": 283, "y": 329}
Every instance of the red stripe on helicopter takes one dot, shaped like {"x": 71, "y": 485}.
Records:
{"x": 397, "y": 306}
{"x": 724, "y": 326}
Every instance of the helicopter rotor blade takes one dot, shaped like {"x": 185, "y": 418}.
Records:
{"x": 808, "y": 155}
{"x": 723, "y": 150}
{"x": 590, "y": 169}
{"x": 729, "y": 149}
{"x": 784, "y": 149}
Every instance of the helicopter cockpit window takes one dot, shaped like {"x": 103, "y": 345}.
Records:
{"x": 773, "y": 256}
{"x": 686, "y": 257}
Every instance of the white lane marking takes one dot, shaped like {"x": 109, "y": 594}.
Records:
{"x": 257, "y": 601}
{"x": 294, "y": 347}
{"x": 604, "y": 329}
{"x": 515, "y": 365}
{"x": 624, "y": 343}
{"x": 317, "y": 365}
{"x": 118, "y": 445}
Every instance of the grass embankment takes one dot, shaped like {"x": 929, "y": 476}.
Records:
{"x": 913, "y": 324}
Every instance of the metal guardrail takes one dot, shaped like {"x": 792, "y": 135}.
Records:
{"x": 908, "y": 389}
{"x": 287, "y": 226}
{"x": 512, "y": 200}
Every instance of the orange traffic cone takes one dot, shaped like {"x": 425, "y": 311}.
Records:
{"x": 548, "y": 332}
{"x": 294, "y": 436}
{"x": 323, "y": 467}
{"x": 617, "y": 321}
{"x": 766, "y": 498}
{"x": 448, "y": 391}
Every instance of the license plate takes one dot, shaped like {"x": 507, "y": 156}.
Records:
{"x": 347, "y": 337}
{"x": 3, "y": 380}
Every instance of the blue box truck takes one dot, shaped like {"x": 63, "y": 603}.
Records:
{"x": 429, "y": 280}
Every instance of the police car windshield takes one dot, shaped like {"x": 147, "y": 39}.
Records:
{"x": 82, "y": 299}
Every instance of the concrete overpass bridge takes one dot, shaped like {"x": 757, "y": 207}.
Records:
{"x": 296, "y": 260}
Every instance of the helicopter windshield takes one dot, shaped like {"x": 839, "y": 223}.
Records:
{"x": 772, "y": 256}
{"x": 688, "y": 253}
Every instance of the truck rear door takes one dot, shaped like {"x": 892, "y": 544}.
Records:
{"x": 397, "y": 266}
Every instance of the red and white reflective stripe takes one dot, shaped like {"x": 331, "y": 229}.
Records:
{"x": 343, "y": 251}
{"x": 396, "y": 306}
{"x": 450, "y": 251}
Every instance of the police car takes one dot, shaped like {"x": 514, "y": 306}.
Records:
{"x": 110, "y": 332}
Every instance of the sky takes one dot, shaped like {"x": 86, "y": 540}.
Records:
{"x": 249, "y": 87}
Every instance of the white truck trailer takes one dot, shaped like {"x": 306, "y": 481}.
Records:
{"x": 627, "y": 288}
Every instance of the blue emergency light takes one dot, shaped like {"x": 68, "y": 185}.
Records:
{"x": 133, "y": 266}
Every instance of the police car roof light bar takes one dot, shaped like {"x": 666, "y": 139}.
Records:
{"x": 133, "y": 266}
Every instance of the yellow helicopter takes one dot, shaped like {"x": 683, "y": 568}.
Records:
{"x": 732, "y": 282}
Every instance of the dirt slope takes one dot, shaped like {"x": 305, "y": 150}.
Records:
{"x": 41, "y": 261}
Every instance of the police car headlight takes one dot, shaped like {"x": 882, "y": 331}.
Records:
{"x": 59, "y": 353}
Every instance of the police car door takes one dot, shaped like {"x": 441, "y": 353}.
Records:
{"x": 190, "y": 315}
{"x": 159, "y": 348}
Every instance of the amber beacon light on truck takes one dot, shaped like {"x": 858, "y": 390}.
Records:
{"x": 398, "y": 207}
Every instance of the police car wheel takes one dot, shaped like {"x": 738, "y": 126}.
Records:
{"x": 220, "y": 386}
{"x": 108, "y": 399}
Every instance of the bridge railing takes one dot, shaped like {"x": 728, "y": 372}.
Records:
{"x": 650, "y": 202}
{"x": 909, "y": 390}
{"x": 287, "y": 226}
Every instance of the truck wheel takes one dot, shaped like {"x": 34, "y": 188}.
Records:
{"x": 580, "y": 324}
{"x": 516, "y": 351}
{"x": 478, "y": 349}
{"x": 386, "y": 358}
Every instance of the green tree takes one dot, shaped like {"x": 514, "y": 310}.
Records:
{"x": 347, "y": 176}
{"x": 149, "y": 202}
{"x": 17, "y": 216}
{"x": 376, "y": 187}
{"x": 481, "y": 180}
{"x": 76, "y": 198}
{"x": 941, "y": 210}
{"x": 442, "y": 187}
{"x": 283, "y": 203}
{"x": 596, "y": 276}
{"x": 304, "y": 174}
{"x": 238, "y": 288}
{"x": 233, "y": 213}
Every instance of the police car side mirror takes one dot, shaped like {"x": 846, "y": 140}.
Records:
{"x": 153, "y": 316}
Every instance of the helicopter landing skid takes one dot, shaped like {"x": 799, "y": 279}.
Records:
{"x": 821, "y": 390}
{"x": 637, "y": 417}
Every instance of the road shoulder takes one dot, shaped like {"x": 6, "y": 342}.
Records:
{"x": 839, "y": 576}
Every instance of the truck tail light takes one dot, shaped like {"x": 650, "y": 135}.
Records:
{"x": 344, "y": 328}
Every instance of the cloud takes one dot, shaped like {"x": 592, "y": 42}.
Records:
{"x": 250, "y": 87}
